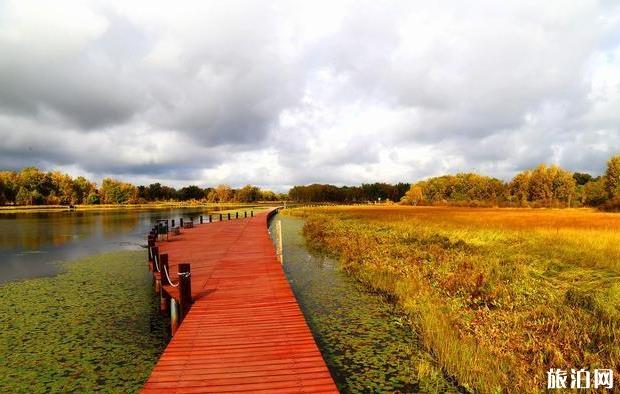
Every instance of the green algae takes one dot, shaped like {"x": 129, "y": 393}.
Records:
{"x": 94, "y": 327}
{"x": 367, "y": 341}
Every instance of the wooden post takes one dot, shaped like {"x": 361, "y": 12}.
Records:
{"x": 220, "y": 217}
{"x": 237, "y": 215}
{"x": 155, "y": 254}
{"x": 210, "y": 218}
{"x": 252, "y": 213}
{"x": 172, "y": 221}
{"x": 185, "y": 289}
{"x": 200, "y": 219}
{"x": 279, "y": 226}
{"x": 245, "y": 214}
{"x": 181, "y": 222}
{"x": 163, "y": 296}
{"x": 228, "y": 215}
{"x": 174, "y": 316}
{"x": 151, "y": 245}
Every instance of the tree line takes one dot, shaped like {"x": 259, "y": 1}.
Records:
{"x": 348, "y": 194}
{"x": 543, "y": 186}
{"x": 31, "y": 186}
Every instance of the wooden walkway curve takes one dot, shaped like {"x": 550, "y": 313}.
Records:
{"x": 245, "y": 331}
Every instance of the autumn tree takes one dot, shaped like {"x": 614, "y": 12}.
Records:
{"x": 117, "y": 192}
{"x": 247, "y": 193}
{"x": 267, "y": 195}
{"x": 221, "y": 193}
{"x": 8, "y": 187}
{"x": 34, "y": 186}
{"x": 545, "y": 185}
{"x": 594, "y": 193}
{"x": 413, "y": 196}
{"x": 82, "y": 188}
{"x": 612, "y": 177}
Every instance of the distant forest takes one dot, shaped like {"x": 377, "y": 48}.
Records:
{"x": 31, "y": 186}
{"x": 543, "y": 186}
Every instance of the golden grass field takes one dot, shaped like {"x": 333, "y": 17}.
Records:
{"x": 498, "y": 296}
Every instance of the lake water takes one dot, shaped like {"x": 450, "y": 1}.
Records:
{"x": 367, "y": 341}
{"x": 30, "y": 243}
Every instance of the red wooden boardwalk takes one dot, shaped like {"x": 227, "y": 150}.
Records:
{"x": 245, "y": 331}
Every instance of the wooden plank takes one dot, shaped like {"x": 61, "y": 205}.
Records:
{"x": 245, "y": 331}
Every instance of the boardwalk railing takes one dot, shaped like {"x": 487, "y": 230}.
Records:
{"x": 176, "y": 297}
{"x": 237, "y": 325}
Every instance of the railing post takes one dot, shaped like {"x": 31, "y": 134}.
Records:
{"x": 185, "y": 289}
{"x": 151, "y": 245}
{"x": 220, "y": 217}
{"x": 155, "y": 255}
{"x": 210, "y": 218}
{"x": 252, "y": 213}
{"x": 280, "y": 249}
{"x": 245, "y": 214}
{"x": 200, "y": 219}
{"x": 181, "y": 222}
{"x": 228, "y": 215}
{"x": 237, "y": 215}
{"x": 174, "y": 316}
{"x": 172, "y": 222}
{"x": 163, "y": 296}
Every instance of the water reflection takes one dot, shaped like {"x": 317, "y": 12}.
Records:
{"x": 30, "y": 243}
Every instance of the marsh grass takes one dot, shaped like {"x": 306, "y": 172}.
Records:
{"x": 498, "y": 296}
{"x": 92, "y": 328}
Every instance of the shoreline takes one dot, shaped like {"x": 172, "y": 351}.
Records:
{"x": 110, "y": 207}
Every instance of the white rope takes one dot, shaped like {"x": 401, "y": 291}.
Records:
{"x": 169, "y": 280}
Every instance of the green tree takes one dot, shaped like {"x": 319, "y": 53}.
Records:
{"x": 581, "y": 178}
{"x": 594, "y": 192}
{"x": 116, "y": 192}
{"x": 612, "y": 177}
{"x": 82, "y": 188}
{"x": 10, "y": 186}
{"x": 33, "y": 186}
{"x": 247, "y": 193}
{"x": 267, "y": 195}
{"x": 190, "y": 193}
{"x": 93, "y": 198}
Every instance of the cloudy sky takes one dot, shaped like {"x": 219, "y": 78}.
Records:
{"x": 277, "y": 93}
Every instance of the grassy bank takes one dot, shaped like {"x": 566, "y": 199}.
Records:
{"x": 92, "y": 328}
{"x": 498, "y": 296}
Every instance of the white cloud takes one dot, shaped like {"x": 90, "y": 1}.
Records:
{"x": 283, "y": 92}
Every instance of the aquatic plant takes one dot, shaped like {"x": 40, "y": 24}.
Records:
{"x": 366, "y": 340}
{"x": 92, "y": 328}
